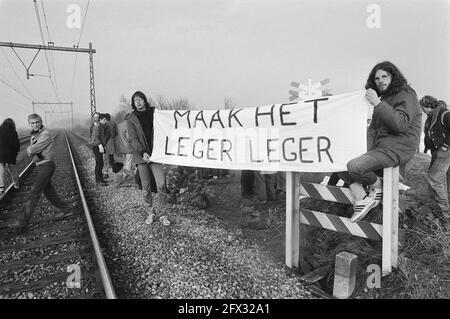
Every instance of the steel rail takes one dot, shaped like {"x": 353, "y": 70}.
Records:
{"x": 8, "y": 189}
{"x": 81, "y": 137}
{"x": 22, "y": 140}
{"x": 104, "y": 273}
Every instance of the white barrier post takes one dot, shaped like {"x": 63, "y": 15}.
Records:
{"x": 390, "y": 219}
{"x": 292, "y": 219}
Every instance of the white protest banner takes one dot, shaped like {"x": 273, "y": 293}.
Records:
{"x": 317, "y": 135}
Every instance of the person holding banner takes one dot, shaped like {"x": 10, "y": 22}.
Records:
{"x": 140, "y": 137}
{"x": 437, "y": 139}
{"x": 393, "y": 136}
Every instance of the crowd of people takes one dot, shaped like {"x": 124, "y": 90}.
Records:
{"x": 393, "y": 138}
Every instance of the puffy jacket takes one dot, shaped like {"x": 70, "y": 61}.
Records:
{"x": 97, "y": 135}
{"x": 395, "y": 127}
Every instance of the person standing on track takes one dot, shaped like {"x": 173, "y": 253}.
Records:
{"x": 110, "y": 149}
{"x": 9, "y": 148}
{"x": 140, "y": 137}
{"x": 41, "y": 151}
{"x": 98, "y": 142}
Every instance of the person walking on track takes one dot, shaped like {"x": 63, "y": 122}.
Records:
{"x": 41, "y": 151}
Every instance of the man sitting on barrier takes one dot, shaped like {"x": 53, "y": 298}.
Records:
{"x": 392, "y": 138}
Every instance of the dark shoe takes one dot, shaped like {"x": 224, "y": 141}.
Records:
{"x": 28, "y": 213}
{"x": 148, "y": 198}
{"x": 64, "y": 214}
{"x": 72, "y": 209}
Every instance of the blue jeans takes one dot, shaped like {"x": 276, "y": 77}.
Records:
{"x": 43, "y": 184}
{"x": 363, "y": 170}
{"x": 439, "y": 177}
{"x": 160, "y": 180}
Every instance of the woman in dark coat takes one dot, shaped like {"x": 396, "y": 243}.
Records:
{"x": 9, "y": 148}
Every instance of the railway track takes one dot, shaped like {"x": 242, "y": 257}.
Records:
{"x": 24, "y": 140}
{"x": 56, "y": 257}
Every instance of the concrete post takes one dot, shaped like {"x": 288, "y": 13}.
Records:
{"x": 344, "y": 275}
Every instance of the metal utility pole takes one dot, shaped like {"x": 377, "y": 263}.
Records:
{"x": 38, "y": 47}
{"x": 91, "y": 78}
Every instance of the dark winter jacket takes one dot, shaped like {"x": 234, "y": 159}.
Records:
{"x": 9, "y": 145}
{"x": 393, "y": 136}
{"x": 137, "y": 139}
{"x": 437, "y": 130}
{"x": 97, "y": 135}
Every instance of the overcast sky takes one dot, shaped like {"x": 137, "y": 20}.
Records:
{"x": 204, "y": 51}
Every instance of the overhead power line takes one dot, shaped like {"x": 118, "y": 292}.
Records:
{"x": 90, "y": 51}
{"x": 43, "y": 43}
{"x": 14, "y": 89}
{"x": 84, "y": 21}
{"x": 17, "y": 76}
{"x": 78, "y": 43}
{"x": 52, "y": 59}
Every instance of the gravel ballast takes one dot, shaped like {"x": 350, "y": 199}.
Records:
{"x": 197, "y": 256}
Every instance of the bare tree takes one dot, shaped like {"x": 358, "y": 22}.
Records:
{"x": 180, "y": 103}
{"x": 123, "y": 108}
{"x": 161, "y": 103}
{"x": 229, "y": 103}
{"x": 175, "y": 104}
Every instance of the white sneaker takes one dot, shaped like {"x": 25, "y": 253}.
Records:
{"x": 16, "y": 183}
{"x": 370, "y": 201}
{"x": 149, "y": 219}
{"x": 164, "y": 220}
